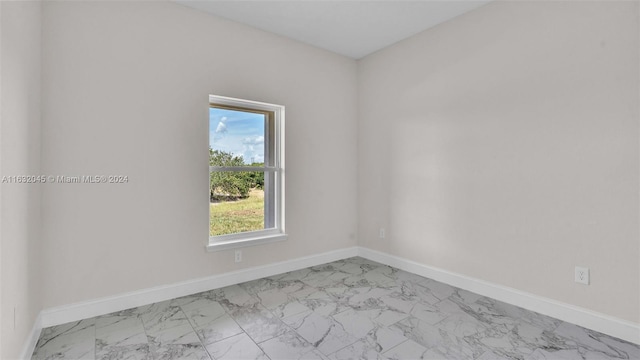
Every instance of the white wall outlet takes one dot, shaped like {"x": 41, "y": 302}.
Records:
{"x": 238, "y": 256}
{"x": 582, "y": 275}
{"x": 381, "y": 233}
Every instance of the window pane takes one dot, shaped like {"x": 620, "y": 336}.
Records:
{"x": 237, "y": 202}
{"x": 239, "y": 135}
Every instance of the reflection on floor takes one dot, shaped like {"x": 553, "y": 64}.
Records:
{"x": 348, "y": 309}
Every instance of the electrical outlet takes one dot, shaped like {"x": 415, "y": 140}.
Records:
{"x": 382, "y": 234}
{"x": 238, "y": 256}
{"x": 14, "y": 317}
{"x": 582, "y": 275}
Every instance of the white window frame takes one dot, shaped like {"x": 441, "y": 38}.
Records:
{"x": 274, "y": 192}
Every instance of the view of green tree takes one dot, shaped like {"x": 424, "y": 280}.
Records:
{"x": 257, "y": 177}
{"x": 226, "y": 185}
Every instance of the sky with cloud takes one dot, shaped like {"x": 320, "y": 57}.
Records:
{"x": 237, "y": 132}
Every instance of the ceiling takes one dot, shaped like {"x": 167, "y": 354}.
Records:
{"x": 350, "y": 28}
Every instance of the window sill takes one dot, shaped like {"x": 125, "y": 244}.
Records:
{"x": 244, "y": 242}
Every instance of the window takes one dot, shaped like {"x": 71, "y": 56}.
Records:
{"x": 246, "y": 173}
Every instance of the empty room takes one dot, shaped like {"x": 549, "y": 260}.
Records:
{"x": 385, "y": 180}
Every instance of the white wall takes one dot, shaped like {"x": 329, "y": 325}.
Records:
{"x": 19, "y": 155}
{"x": 127, "y": 87}
{"x": 503, "y": 145}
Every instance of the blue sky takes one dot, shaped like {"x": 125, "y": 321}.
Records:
{"x": 237, "y": 132}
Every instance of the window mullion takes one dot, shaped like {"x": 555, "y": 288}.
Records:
{"x": 243, "y": 168}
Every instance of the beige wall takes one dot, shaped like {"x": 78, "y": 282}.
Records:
{"x": 503, "y": 145}
{"x": 19, "y": 155}
{"x": 127, "y": 87}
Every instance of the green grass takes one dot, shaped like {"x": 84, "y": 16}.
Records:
{"x": 237, "y": 216}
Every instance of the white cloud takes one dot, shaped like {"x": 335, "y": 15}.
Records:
{"x": 254, "y": 140}
{"x": 253, "y": 151}
{"x": 221, "y": 129}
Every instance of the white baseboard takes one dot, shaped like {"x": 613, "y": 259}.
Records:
{"x": 87, "y": 309}
{"x": 589, "y": 319}
{"x": 32, "y": 340}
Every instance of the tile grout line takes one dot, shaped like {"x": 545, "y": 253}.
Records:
{"x": 95, "y": 341}
{"x": 195, "y": 332}
{"x": 144, "y": 328}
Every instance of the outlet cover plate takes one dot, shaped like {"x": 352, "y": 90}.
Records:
{"x": 582, "y": 275}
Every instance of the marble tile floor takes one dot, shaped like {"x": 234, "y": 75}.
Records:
{"x": 348, "y": 309}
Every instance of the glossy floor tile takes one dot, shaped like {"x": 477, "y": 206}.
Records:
{"x": 348, "y": 309}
